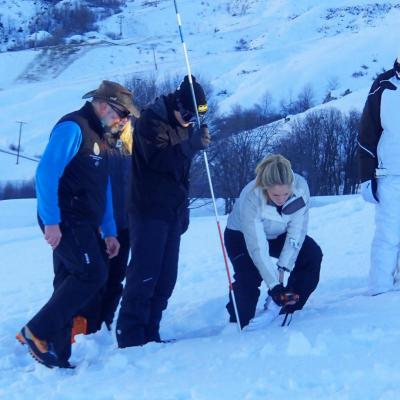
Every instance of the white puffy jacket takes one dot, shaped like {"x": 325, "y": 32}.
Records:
{"x": 260, "y": 220}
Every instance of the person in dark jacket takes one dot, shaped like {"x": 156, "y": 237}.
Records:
{"x": 102, "y": 308}
{"x": 379, "y": 149}
{"x": 74, "y": 205}
{"x": 165, "y": 143}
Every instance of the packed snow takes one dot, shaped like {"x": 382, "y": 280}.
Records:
{"x": 343, "y": 345}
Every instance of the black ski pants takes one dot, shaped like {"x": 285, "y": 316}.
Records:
{"x": 150, "y": 279}
{"x": 80, "y": 270}
{"x": 103, "y": 306}
{"x": 302, "y": 280}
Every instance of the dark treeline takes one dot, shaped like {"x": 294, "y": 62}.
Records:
{"x": 239, "y": 119}
{"x": 321, "y": 145}
{"x": 18, "y": 190}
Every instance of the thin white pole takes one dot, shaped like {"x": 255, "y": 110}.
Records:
{"x": 208, "y": 170}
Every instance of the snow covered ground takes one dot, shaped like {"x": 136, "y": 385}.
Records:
{"x": 343, "y": 345}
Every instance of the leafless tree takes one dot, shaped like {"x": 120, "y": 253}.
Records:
{"x": 18, "y": 190}
{"x": 233, "y": 161}
{"x": 322, "y": 147}
{"x": 349, "y": 149}
{"x": 146, "y": 88}
{"x": 305, "y": 100}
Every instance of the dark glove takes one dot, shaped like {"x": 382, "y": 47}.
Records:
{"x": 199, "y": 140}
{"x": 184, "y": 219}
{"x": 283, "y": 296}
{"x": 369, "y": 191}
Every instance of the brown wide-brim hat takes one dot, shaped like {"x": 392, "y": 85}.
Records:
{"x": 115, "y": 94}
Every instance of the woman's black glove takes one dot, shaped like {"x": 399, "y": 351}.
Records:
{"x": 283, "y": 296}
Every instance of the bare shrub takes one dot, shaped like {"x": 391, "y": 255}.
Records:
{"x": 322, "y": 147}
{"x": 242, "y": 45}
{"x": 304, "y": 101}
{"x": 233, "y": 161}
{"x": 146, "y": 89}
{"x": 241, "y": 119}
{"x": 238, "y": 7}
{"x": 62, "y": 21}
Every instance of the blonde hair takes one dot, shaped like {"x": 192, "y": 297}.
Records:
{"x": 126, "y": 136}
{"x": 274, "y": 170}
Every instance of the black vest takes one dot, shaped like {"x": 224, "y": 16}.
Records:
{"x": 83, "y": 185}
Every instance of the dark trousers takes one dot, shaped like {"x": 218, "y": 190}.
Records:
{"x": 80, "y": 271}
{"x": 104, "y": 304}
{"x": 150, "y": 279}
{"x": 302, "y": 280}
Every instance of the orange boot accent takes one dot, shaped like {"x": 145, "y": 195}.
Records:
{"x": 20, "y": 338}
{"x": 79, "y": 327}
{"x": 41, "y": 345}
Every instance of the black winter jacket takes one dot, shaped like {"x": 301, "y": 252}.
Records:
{"x": 160, "y": 169}
{"x": 371, "y": 127}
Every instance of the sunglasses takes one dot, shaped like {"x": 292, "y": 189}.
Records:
{"x": 121, "y": 113}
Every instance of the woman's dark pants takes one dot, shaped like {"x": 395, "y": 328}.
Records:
{"x": 303, "y": 279}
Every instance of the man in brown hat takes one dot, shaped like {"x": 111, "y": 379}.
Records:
{"x": 75, "y": 213}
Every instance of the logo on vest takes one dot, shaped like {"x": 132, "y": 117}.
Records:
{"x": 96, "y": 149}
{"x": 96, "y": 157}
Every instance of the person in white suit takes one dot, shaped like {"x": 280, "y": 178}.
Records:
{"x": 269, "y": 220}
{"x": 379, "y": 150}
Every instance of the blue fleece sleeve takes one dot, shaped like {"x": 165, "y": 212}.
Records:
{"x": 108, "y": 226}
{"x": 65, "y": 140}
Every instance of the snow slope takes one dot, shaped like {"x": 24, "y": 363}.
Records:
{"x": 275, "y": 46}
{"x": 343, "y": 345}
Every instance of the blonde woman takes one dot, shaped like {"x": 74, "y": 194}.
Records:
{"x": 120, "y": 159}
{"x": 103, "y": 306}
{"x": 269, "y": 220}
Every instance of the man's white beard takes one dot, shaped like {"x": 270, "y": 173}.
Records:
{"x": 115, "y": 128}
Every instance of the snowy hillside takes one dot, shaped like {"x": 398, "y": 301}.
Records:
{"x": 342, "y": 346}
{"x": 244, "y": 48}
